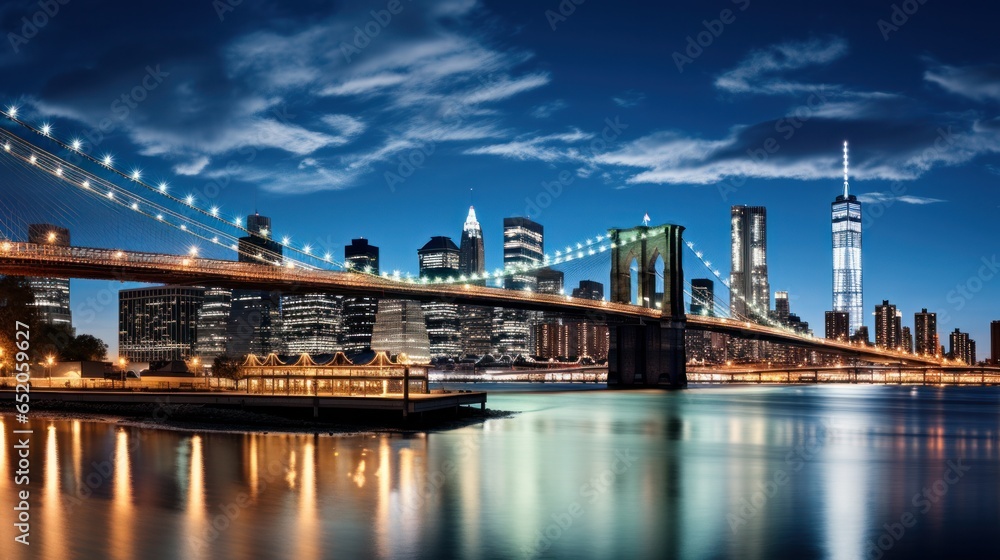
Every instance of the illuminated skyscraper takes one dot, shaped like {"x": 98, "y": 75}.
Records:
{"x": 254, "y": 324}
{"x": 439, "y": 258}
{"x": 475, "y": 322}
{"x": 522, "y": 245}
{"x": 847, "y": 255}
{"x": 749, "y": 290}
{"x": 925, "y": 337}
{"x": 158, "y": 323}
{"x": 888, "y": 328}
{"x": 212, "y": 320}
{"x": 359, "y": 312}
{"x": 399, "y": 329}
{"x": 51, "y": 294}
{"x": 311, "y": 323}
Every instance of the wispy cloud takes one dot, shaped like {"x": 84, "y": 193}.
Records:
{"x": 546, "y": 110}
{"x": 883, "y": 197}
{"x": 762, "y": 71}
{"x": 629, "y": 98}
{"x": 980, "y": 83}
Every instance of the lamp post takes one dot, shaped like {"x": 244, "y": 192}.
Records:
{"x": 49, "y": 360}
{"x": 122, "y": 362}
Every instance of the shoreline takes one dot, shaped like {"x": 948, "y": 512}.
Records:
{"x": 200, "y": 418}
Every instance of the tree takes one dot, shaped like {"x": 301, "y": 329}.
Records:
{"x": 228, "y": 367}
{"x": 86, "y": 347}
{"x": 59, "y": 340}
{"x": 16, "y": 306}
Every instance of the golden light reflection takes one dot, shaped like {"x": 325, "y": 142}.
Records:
{"x": 122, "y": 513}
{"x": 308, "y": 534}
{"x": 359, "y": 474}
{"x": 196, "y": 518}
{"x": 383, "y": 507}
{"x": 77, "y": 457}
{"x": 290, "y": 473}
{"x": 254, "y": 473}
{"x": 54, "y": 544}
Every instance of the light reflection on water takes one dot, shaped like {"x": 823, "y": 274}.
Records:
{"x": 738, "y": 472}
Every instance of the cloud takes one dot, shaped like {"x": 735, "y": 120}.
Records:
{"x": 546, "y": 110}
{"x": 979, "y": 83}
{"x": 548, "y": 148}
{"x": 628, "y": 99}
{"x": 192, "y": 167}
{"x": 761, "y": 72}
{"x": 882, "y": 197}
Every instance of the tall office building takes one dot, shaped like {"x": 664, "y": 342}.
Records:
{"x": 846, "y": 212}
{"x": 440, "y": 258}
{"x": 523, "y": 245}
{"x": 925, "y": 337}
{"x": 472, "y": 251}
{"x": 399, "y": 329}
{"x": 359, "y": 312}
{"x": 475, "y": 321}
{"x": 51, "y": 294}
{"x": 589, "y": 289}
{"x": 995, "y": 342}
{"x": 550, "y": 281}
{"x": 961, "y": 347}
{"x": 213, "y": 318}
{"x": 749, "y": 290}
{"x": 888, "y": 327}
{"x": 254, "y": 325}
{"x": 158, "y": 323}
{"x": 702, "y": 297}
{"x": 838, "y": 326}
{"x": 782, "y": 309}
{"x": 311, "y": 323}
{"x": 907, "y": 340}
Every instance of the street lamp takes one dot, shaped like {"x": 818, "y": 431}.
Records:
{"x": 48, "y": 362}
{"x": 122, "y": 362}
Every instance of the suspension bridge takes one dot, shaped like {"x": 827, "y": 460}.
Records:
{"x": 647, "y": 346}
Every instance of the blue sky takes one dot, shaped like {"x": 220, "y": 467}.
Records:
{"x": 295, "y": 112}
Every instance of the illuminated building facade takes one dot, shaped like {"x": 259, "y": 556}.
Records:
{"x": 158, "y": 323}
{"x": 440, "y": 258}
{"x": 51, "y": 294}
{"x": 846, "y": 221}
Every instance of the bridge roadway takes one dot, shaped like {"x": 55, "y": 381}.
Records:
{"x": 30, "y": 259}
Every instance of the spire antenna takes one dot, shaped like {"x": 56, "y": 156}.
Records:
{"x": 845, "y": 169}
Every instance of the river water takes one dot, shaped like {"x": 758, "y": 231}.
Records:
{"x": 839, "y": 472}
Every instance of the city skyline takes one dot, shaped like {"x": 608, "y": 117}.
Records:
{"x": 917, "y": 125}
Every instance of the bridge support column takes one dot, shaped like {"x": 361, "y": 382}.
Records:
{"x": 650, "y": 354}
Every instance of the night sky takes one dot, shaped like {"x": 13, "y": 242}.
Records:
{"x": 339, "y": 122}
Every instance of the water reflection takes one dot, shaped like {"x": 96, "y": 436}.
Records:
{"x": 721, "y": 472}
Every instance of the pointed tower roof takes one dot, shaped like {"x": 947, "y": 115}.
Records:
{"x": 471, "y": 223}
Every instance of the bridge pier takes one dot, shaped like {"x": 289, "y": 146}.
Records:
{"x": 649, "y": 354}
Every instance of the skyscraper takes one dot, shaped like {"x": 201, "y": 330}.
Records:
{"x": 782, "y": 309}
{"x": 961, "y": 347}
{"x": 995, "y": 342}
{"x": 213, "y": 318}
{"x": 472, "y": 251}
{"x": 907, "y": 340}
{"x": 749, "y": 290}
{"x": 311, "y": 323}
{"x": 440, "y": 258}
{"x": 838, "y": 327}
{"x": 399, "y": 329}
{"x": 888, "y": 328}
{"x": 51, "y": 294}
{"x": 702, "y": 297}
{"x": 158, "y": 323}
{"x": 523, "y": 245}
{"x": 847, "y": 254}
{"x": 589, "y": 289}
{"x": 475, "y": 322}
{"x": 254, "y": 325}
{"x": 550, "y": 281}
{"x": 359, "y": 312}
{"x": 925, "y": 337}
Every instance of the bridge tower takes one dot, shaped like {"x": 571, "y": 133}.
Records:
{"x": 651, "y": 353}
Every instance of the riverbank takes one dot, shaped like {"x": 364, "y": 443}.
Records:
{"x": 204, "y": 418}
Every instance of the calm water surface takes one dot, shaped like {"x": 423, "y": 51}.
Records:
{"x": 718, "y": 472}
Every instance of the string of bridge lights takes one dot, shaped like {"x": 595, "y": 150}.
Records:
{"x": 590, "y": 247}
